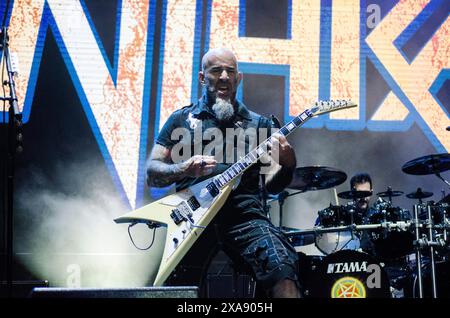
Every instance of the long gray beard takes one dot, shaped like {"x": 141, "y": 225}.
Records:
{"x": 223, "y": 110}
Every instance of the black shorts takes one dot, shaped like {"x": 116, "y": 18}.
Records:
{"x": 263, "y": 249}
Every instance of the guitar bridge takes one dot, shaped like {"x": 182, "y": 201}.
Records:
{"x": 182, "y": 213}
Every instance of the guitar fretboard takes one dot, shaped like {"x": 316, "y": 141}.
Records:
{"x": 252, "y": 157}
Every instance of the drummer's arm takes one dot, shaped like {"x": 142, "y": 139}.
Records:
{"x": 283, "y": 163}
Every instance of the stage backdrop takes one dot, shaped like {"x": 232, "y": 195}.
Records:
{"x": 98, "y": 78}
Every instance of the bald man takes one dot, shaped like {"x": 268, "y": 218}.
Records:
{"x": 241, "y": 227}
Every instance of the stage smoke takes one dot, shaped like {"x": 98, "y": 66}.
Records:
{"x": 69, "y": 238}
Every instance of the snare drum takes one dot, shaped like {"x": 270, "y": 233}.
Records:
{"x": 344, "y": 274}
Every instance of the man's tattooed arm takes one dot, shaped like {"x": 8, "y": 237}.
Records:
{"x": 161, "y": 171}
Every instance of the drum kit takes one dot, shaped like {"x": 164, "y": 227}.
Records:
{"x": 381, "y": 251}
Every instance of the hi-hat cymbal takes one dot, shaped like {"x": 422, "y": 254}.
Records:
{"x": 353, "y": 194}
{"x": 419, "y": 194}
{"x": 430, "y": 164}
{"x": 316, "y": 178}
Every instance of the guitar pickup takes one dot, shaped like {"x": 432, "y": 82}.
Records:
{"x": 176, "y": 216}
{"x": 212, "y": 189}
{"x": 193, "y": 203}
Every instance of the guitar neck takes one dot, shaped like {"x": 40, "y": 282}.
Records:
{"x": 252, "y": 157}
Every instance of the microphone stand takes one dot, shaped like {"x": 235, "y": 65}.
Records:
{"x": 13, "y": 145}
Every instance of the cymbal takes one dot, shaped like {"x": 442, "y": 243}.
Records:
{"x": 353, "y": 194}
{"x": 428, "y": 164}
{"x": 390, "y": 193}
{"x": 316, "y": 178}
{"x": 419, "y": 194}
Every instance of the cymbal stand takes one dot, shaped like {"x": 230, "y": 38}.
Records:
{"x": 282, "y": 196}
{"x": 429, "y": 242}
{"x": 384, "y": 213}
{"x": 437, "y": 174}
{"x": 352, "y": 211}
{"x": 433, "y": 268}
{"x": 418, "y": 252}
{"x": 445, "y": 221}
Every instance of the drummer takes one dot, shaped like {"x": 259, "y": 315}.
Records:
{"x": 363, "y": 182}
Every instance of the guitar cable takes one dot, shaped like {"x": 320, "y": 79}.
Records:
{"x": 132, "y": 241}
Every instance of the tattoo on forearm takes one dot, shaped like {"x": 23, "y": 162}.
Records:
{"x": 161, "y": 174}
{"x": 161, "y": 171}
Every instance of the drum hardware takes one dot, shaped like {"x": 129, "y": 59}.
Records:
{"x": 418, "y": 252}
{"x": 433, "y": 266}
{"x": 402, "y": 225}
{"x": 424, "y": 242}
{"x": 430, "y": 241}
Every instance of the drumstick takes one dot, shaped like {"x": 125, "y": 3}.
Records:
{"x": 335, "y": 196}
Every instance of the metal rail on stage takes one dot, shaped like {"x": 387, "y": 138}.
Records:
{"x": 402, "y": 225}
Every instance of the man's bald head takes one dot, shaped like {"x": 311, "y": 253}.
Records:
{"x": 219, "y": 53}
{"x": 220, "y": 77}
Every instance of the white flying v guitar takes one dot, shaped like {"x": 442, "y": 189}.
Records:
{"x": 187, "y": 212}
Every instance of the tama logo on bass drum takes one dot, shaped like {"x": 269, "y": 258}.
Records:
{"x": 347, "y": 267}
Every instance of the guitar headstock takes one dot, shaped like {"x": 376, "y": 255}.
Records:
{"x": 328, "y": 106}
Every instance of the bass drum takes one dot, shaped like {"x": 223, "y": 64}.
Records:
{"x": 344, "y": 274}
